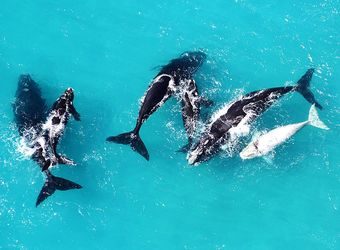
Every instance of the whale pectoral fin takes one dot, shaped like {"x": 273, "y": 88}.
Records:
{"x": 64, "y": 160}
{"x": 206, "y": 102}
{"x": 269, "y": 158}
{"x": 74, "y": 112}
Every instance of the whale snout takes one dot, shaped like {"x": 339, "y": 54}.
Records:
{"x": 249, "y": 152}
{"x": 69, "y": 91}
{"x": 194, "y": 156}
{"x": 192, "y": 159}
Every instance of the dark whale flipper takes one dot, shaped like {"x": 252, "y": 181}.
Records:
{"x": 133, "y": 140}
{"x": 74, "y": 112}
{"x": 303, "y": 88}
{"x": 206, "y": 102}
{"x": 52, "y": 184}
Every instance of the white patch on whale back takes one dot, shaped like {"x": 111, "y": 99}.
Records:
{"x": 192, "y": 155}
{"x": 55, "y": 130}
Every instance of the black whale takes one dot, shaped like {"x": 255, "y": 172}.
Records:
{"x": 172, "y": 77}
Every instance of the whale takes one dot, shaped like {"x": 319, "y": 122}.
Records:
{"x": 55, "y": 124}
{"x": 267, "y": 142}
{"x": 169, "y": 81}
{"x": 235, "y": 118}
{"x": 30, "y": 114}
{"x": 29, "y": 107}
{"x": 191, "y": 103}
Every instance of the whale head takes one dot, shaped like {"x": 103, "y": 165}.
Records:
{"x": 69, "y": 95}
{"x": 196, "y": 155}
{"x": 194, "y": 59}
{"x": 249, "y": 152}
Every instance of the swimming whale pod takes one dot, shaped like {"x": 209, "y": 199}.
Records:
{"x": 237, "y": 115}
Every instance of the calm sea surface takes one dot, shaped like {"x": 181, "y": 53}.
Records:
{"x": 109, "y": 51}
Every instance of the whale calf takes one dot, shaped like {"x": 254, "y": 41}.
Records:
{"x": 237, "y": 116}
{"x": 270, "y": 140}
{"x": 170, "y": 79}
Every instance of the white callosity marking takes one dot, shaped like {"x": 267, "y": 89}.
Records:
{"x": 192, "y": 156}
{"x": 268, "y": 141}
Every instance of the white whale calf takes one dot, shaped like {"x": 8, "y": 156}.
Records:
{"x": 269, "y": 141}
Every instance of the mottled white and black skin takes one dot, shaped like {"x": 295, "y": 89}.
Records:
{"x": 53, "y": 128}
{"x": 30, "y": 112}
{"x": 232, "y": 119}
{"x": 190, "y": 102}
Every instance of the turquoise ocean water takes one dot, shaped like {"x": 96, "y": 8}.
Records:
{"x": 108, "y": 51}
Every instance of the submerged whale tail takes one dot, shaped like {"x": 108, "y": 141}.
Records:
{"x": 133, "y": 139}
{"x": 52, "y": 184}
{"x": 314, "y": 119}
{"x": 303, "y": 88}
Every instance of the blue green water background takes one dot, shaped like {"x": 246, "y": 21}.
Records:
{"x": 107, "y": 51}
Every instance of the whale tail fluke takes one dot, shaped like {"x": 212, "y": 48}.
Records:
{"x": 303, "y": 88}
{"x": 133, "y": 139}
{"x": 314, "y": 119}
{"x": 52, "y": 184}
